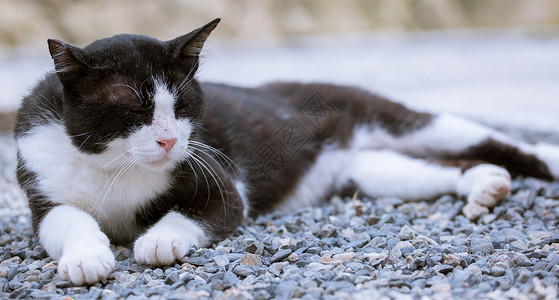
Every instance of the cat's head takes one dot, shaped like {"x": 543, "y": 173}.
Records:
{"x": 132, "y": 97}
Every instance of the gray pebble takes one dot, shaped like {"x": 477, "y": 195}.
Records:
{"x": 243, "y": 270}
{"x": 281, "y": 255}
{"x": 486, "y": 248}
{"x": 221, "y": 260}
{"x": 497, "y": 271}
{"x": 523, "y": 275}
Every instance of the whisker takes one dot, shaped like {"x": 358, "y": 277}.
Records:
{"x": 84, "y": 141}
{"x": 195, "y": 160}
{"x": 218, "y": 153}
{"x": 109, "y": 186}
{"x": 123, "y": 153}
{"x": 213, "y": 173}
{"x": 196, "y": 178}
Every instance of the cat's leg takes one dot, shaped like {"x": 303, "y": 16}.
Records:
{"x": 169, "y": 240}
{"x": 382, "y": 173}
{"x": 450, "y": 136}
{"x": 74, "y": 238}
{"x": 210, "y": 212}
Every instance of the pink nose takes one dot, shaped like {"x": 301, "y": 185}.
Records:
{"x": 167, "y": 144}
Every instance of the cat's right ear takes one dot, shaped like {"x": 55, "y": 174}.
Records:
{"x": 68, "y": 60}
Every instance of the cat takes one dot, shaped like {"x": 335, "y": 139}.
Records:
{"x": 121, "y": 144}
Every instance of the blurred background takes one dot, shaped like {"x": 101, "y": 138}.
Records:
{"x": 28, "y": 22}
{"x": 493, "y": 60}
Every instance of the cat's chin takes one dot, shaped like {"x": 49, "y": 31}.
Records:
{"x": 163, "y": 164}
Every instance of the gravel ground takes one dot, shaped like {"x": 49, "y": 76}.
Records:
{"x": 347, "y": 249}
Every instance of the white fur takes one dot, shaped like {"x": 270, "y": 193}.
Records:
{"x": 169, "y": 240}
{"x": 377, "y": 173}
{"x": 143, "y": 143}
{"x": 484, "y": 185}
{"x": 241, "y": 189}
{"x": 75, "y": 239}
{"x": 317, "y": 181}
{"x": 547, "y": 153}
{"x": 380, "y": 173}
{"x": 447, "y": 134}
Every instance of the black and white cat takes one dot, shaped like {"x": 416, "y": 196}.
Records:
{"x": 121, "y": 144}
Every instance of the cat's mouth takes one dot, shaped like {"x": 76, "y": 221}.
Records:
{"x": 160, "y": 163}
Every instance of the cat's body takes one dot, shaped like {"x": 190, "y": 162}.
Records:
{"x": 123, "y": 143}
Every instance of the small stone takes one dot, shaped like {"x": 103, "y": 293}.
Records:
{"x": 49, "y": 266}
{"x": 521, "y": 260}
{"x": 406, "y": 233}
{"x": 452, "y": 260}
{"x": 280, "y": 255}
{"x": 329, "y": 260}
{"x": 443, "y": 269}
{"x": 221, "y": 260}
{"x": 7, "y": 262}
{"x": 293, "y": 257}
{"x": 107, "y": 293}
{"x": 243, "y": 270}
{"x": 251, "y": 260}
{"x": 518, "y": 245}
{"x": 210, "y": 268}
{"x": 32, "y": 278}
{"x": 474, "y": 269}
{"x": 12, "y": 272}
{"x": 486, "y": 248}
{"x": 441, "y": 287}
{"x": 488, "y": 218}
{"x": 407, "y": 250}
{"x": 187, "y": 266}
{"x": 497, "y": 271}
{"x": 523, "y": 275}
{"x": 251, "y": 248}
{"x": 172, "y": 278}
{"x": 397, "y": 250}
{"x": 47, "y": 275}
{"x": 347, "y": 256}
{"x": 197, "y": 261}
{"x": 537, "y": 236}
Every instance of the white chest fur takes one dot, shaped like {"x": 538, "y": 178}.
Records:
{"x": 65, "y": 175}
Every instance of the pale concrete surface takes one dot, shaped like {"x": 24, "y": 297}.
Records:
{"x": 500, "y": 78}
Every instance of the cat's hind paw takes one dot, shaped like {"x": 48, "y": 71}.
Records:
{"x": 168, "y": 240}
{"x": 86, "y": 264}
{"x": 484, "y": 185}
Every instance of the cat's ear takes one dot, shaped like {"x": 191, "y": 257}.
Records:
{"x": 190, "y": 45}
{"x": 69, "y": 61}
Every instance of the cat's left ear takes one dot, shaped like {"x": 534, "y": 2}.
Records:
{"x": 70, "y": 62}
{"x": 190, "y": 45}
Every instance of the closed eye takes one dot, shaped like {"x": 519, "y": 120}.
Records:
{"x": 181, "y": 107}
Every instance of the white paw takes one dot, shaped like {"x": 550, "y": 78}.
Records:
{"x": 86, "y": 262}
{"x": 484, "y": 186}
{"x": 160, "y": 248}
{"x": 168, "y": 240}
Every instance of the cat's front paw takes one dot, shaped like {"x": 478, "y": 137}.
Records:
{"x": 484, "y": 185}
{"x": 86, "y": 264}
{"x": 168, "y": 240}
{"x": 160, "y": 248}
